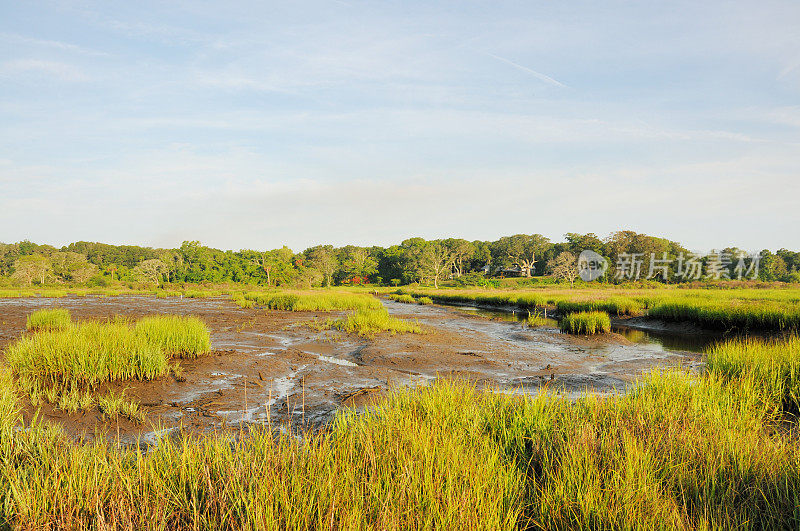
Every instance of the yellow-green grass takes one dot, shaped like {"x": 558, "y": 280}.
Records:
{"x": 677, "y": 451}
{"x": 63, "y": 366}
{"x": 403, "y": 297}
{"x": 50, "y": 319}
{"x": 300, "y": 301}
{"x": 425, "y": 301}
{"x": 186, "y": 337}
{"x": 368, "y": 322}
{"x": 587, "y": 323}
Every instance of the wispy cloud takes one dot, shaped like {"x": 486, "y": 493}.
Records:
{"x": 537, "y": 75}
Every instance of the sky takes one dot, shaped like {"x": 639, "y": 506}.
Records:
{"x": 259, "y": 124}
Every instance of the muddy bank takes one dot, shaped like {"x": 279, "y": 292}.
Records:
{"x": 269, "y": 366}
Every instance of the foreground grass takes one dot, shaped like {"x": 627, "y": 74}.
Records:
{"x": 304, "y": 301}
{"x": 367, "y": 323}
{"x": 678, "y": 451}
{"x": 587, "y": 323}
{"x": 63, "y": 366}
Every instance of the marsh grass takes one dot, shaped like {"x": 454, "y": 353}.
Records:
{"x": 403, "y": 297}
{"x": 425, "y": 301}
{"x": 730, "y": 314}
{"x": 367, "y": 322}
{"x": 64, "y": 366}
{"x": 772, "y": 366}
{"x": 587, "y": 323}
{"x": 114, "y": 405}
{"x": 186, "y": 337}
{"x": 677, "y": 451}
{"x": 51, "y": 319}
{"x": 302, "y": 301}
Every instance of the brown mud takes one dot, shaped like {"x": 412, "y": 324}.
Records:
{"x": 268, "y": 366}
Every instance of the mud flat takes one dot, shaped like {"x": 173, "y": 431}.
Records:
{"x": 268, "y": 366}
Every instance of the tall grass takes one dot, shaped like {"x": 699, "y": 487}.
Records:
{"x": 585, "y": 323}
{"x": 63, "y": 365}
{"x": 52, "y": 319}
{"x": 677, "y": 451}
{"x": 187, "y": 337}
{"x": 772, "y": 366}
{"x": 301, "y": 301}
{"x": 366, "y": 322}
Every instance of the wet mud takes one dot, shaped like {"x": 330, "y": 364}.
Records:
{"x": 269, "y": 366}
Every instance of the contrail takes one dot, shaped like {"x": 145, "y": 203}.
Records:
{"x": 539, "y": 75}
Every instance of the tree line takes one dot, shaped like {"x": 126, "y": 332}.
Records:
{"x": 413, "y": 260}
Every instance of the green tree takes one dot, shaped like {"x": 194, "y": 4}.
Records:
{"x": 519, "y": 250}
{"x": 435, "y": 260}
{"x": 323, "y": 259}
{"x": 32, "y": 267}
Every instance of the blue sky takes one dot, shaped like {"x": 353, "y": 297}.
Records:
{"x": 254, "y": 124}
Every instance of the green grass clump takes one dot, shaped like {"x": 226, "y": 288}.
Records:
{"x": 324, "y": 301}
{"x": 85, "y": 355}
{"x": 425, "y": 301}
{"x": 370, "y": 322}
{"x": 585, "y": 323}
{"x": 63, "y": 366}
{"x": 404, "y": 297}
{"x": 187, "y": 337}
{"x": 54, "y": 319}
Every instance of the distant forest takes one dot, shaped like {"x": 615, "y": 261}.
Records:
{"x": 414, "y": 260}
